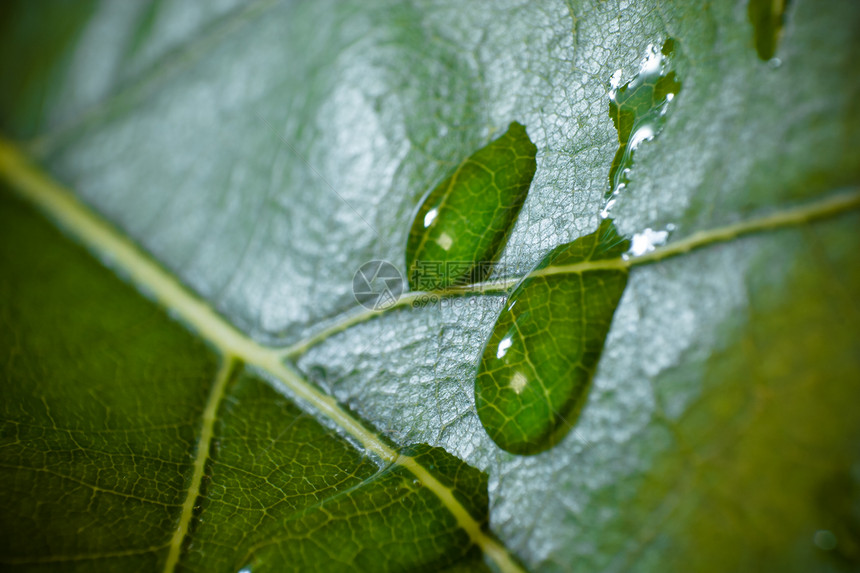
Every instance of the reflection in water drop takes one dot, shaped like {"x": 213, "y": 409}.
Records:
{"x": 503, "y": 346}
{"x": 638, "y": 110}
{"x": 518, "y": 382}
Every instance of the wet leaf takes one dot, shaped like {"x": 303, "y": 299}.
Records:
{"x": 261, "y": 152}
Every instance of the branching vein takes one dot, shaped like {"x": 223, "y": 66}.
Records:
{"x": 61, "y": 206}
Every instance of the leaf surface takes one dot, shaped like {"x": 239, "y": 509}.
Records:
{"x": 261, "y": 152}
{"x": 104, "y": 459}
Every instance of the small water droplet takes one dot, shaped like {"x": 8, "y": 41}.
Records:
{"x": 824, "y": 539}
{"x": 647, "y": 241}
{"x": 767, "y": 18}
{"x": 462, "y": 224}
{"x": 638, "y": 109}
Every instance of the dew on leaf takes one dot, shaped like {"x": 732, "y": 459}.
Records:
{"x": 647, "y": 241}
{"x": 461, "y": 225}
{"x": 638, "y": 110}
{"x": 538, "y": 363}
{"x": 767, "y": 18}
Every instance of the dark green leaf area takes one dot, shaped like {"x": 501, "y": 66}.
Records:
{"x": 101, "y": 408}
{"x": 101, "y": 398}
{"x": 268, "y": 461}
{"x": 638, "y": 109}
{"x": 536, "y": 368}
{"x": 767, "y": 18}
{"x": 388, "y": 522}
{"x": 461, "y": 224}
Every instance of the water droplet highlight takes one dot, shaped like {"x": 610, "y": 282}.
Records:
{"x": 462, "y": 224}
{"x": 638, "y": 110}
{"x": 538, "y": 363}
{"x": 647, "y": 241}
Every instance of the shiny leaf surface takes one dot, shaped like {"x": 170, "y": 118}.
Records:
{"x": 262, "y": 151}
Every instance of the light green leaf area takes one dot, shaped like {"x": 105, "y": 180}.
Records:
{"x": 261, "y": 152}
{"x": 103, "y": 401}
{"x": 538, "y": 363}
{"x": 461, "y": 224}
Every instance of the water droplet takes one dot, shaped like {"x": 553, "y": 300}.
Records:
{"x": 647, "y": 241}
{"x": 638, "y": 110}
{"x": 539, "y": 360}
{"x": 462, "y": 224}
{"x": 824, "y": 539}
{"x": 767, "y": 18}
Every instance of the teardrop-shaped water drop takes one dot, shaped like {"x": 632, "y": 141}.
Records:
{"x": 767, "y": 18}
{"x": 462, "y": 224}
{"x": 541, "y": 356}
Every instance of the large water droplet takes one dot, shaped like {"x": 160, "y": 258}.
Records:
{"x": 461, "y": 224}
{"x": 541, "y": 356}
{"x": 638, "y": 110}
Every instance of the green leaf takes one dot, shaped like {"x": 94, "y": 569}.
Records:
{"x": 462, "y": 223}
{"x": 538, "y": 363}
{"x": 103, "y": 399}
{"x": 261, "y": 152}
